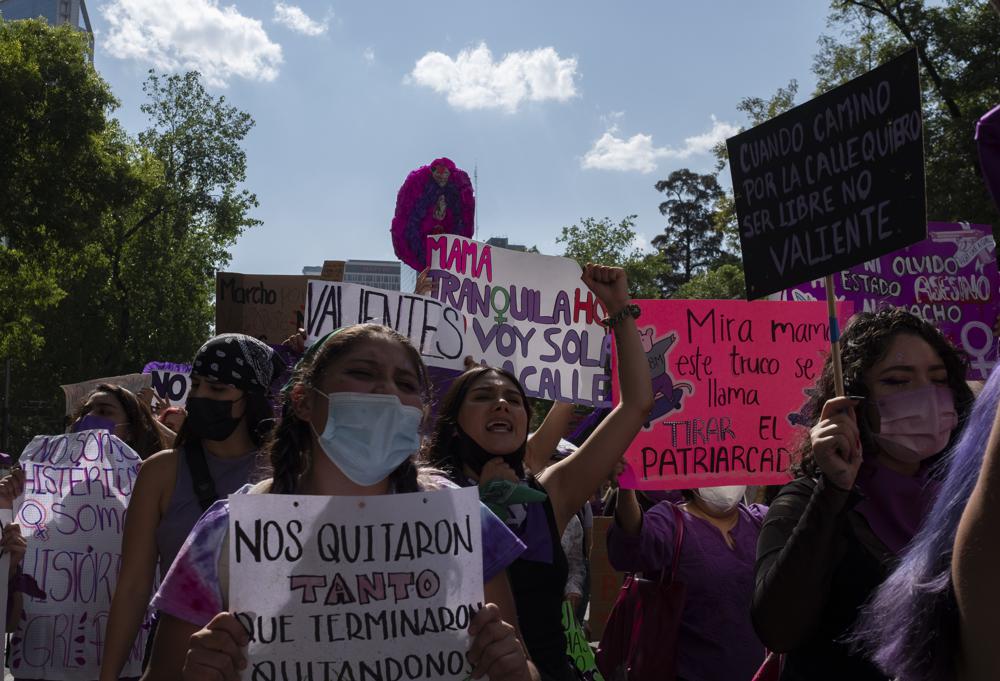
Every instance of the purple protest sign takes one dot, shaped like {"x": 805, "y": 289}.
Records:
{"x": 170, "y": 381}
{"x": 950, "y": 279}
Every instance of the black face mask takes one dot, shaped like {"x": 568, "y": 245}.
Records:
{"x": 211, "y": 419}
{"x": 475, "y": 457}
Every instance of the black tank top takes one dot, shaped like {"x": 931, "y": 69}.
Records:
{"x": 538, "y": 593}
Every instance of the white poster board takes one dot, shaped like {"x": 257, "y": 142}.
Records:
{"x": 357, "y": 587}
{"x": 528, "y": 313}
{"x": 6, "y": 518}
{"x": 77, "y": 487}
{"x": 77, "y": 391}
{"x": 435, "y": 329}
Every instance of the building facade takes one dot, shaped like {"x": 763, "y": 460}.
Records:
{"x": 56, "y": 12}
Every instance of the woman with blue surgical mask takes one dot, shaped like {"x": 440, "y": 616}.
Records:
{"x": 865, "y": 481}
{"x": 351, "y": 425}
{"x": 716, "y": 640}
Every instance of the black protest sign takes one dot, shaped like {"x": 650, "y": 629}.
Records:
{"x": 832, "y": 183}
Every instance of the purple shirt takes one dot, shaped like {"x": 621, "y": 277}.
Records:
{"x": 716, "y": 640}
{"x": 895, "y": 504}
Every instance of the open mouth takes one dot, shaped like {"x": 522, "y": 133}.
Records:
{"x": 499, "y": 426}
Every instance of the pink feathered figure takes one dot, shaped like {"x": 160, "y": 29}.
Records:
{"x": 434, "y": 199}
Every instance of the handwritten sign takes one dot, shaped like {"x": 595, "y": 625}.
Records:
{"x": 6, "y": 518}
{"x": 76, "y": 392}
{"x": 950, "y": 280}
{"x": 76, "y": 490}
{"x": 529, "y": 314}
{"x": 833, "y": 182}
{"x": 729, "y": 378}
{"x": 361, "y": 587}
{"x": 436, "y": 330}
{"x": 171, "y": 381}
{"x": 270, "y": 307}
{"x": 578, "y": 649}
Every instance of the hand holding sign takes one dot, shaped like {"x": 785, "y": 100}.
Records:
{"x": 11, "y": 487}
{"x": 217, "y": 651}
{"x": 496, "y": 651}
{"x": 13, "y": 544}
{"x": 836, "y": 442}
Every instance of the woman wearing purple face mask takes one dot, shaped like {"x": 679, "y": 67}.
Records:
{"x": 716, "y": 640}
{"x": 865, "y": 480}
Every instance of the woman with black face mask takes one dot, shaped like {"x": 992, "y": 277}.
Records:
{"x": 214, "y": 455}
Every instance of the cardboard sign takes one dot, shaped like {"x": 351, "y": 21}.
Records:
{"x": 605, "y": 581}
{"x": 833, "y": 182}
{"x": 729, "y": 378}
{"x": 270, "y": 307}
{"x": 528, "y": 313}
{"x": 171, "y": 381}
{"x": 77, "y": 487}
{"x": 950, "y": 280}
{"x": 361, "y": 587}
{"x": 76, "y": 392}
{"x": 436, "y": 330}
{"x": 578, "y": 649}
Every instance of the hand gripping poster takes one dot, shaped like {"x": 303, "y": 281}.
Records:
{"x": 77, "y": 487}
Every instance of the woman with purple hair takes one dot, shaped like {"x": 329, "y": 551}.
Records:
{"x": 915, "y": 628}
{"x": 866, "y": 480}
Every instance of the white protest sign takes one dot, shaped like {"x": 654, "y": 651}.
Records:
{"x": 357, "y": 587}
{"x": 528, "y": 313}
{"x": 77, "y": 487}
{"x": 6, "y": 518}
{"x": 75, "y": 392}
{"x": 170, "y": 381}
{"x": 436, "y": 330}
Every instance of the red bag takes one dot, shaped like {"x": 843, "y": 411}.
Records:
{"x": 640, "y": 640}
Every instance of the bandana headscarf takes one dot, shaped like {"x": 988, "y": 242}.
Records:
{"x": 237, "y": 360}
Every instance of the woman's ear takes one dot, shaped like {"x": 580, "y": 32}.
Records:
{"x": 303, "y": 402}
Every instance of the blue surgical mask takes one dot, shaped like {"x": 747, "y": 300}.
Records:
{"x": 369, "y": 435}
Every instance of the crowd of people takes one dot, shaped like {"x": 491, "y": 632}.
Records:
{"x": 875, "y": 561}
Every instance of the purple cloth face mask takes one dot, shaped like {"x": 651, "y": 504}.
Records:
{"x": 916, "y": 424}
{"x": 91, "y": 422}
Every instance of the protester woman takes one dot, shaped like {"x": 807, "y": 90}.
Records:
{"x": 119, "y": 411}
{"x": 481, "y": 435}
{"x": 359, "y": 375}
{"x": 934, "y": 618}
{"x": 716, "y": 640}
{"x": 13, "y": 543}
{"x": 865, "y": 482}
{"x": 213, "y": 456}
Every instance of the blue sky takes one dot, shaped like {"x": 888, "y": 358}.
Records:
{"x": 568, "y": 109}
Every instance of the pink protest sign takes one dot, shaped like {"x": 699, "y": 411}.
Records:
{"x": 729, "y": 378}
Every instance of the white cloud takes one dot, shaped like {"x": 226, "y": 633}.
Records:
{"x": 176, "y": 35}
{"x": 638, "y": 152}
{"x": 472, "y": 80}
{"x": 294, "y": 18}
{"x": 369, "y": 55}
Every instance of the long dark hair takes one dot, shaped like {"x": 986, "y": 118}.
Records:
{"x": 144, "y": 437}
{"x": 444, "y": 450}
{"x": 289, "y": 448}
{"x": 863, "y": 344}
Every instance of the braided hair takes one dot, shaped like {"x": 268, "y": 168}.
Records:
{"x": 287, "y": 453}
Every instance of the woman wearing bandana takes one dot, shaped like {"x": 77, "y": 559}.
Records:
{"x": 480, "y": 438}
{"x": 214, "y": 455}
{"x": 865, "y": 482}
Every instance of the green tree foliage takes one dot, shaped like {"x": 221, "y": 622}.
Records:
{"x": 958, "y": 44}
{"x": 607, "y": 243}
{"x": 692, "y": 242}
{"x": 724, "y": 282}
{"x": 55, "y": 182}
{"x": 119, "y": 235}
